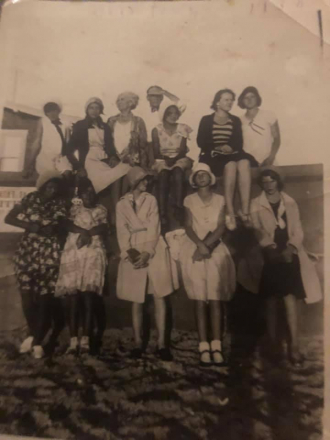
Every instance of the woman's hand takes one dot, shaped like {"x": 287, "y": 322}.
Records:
{"x": 273, "y": 256}
{"x": 142, "y": 260}
{"x": 203, "y": 250}
{"x": 226, "y": 149}
{"x": 197, "y": 256}
{"x": 84, "y": 239}
{"x": 287, "y": 254}
{"x": 268, "y": 161}
{"x": 113, "y": 161}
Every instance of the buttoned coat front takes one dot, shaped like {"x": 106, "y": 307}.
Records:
{"x": 264, "y": 223}
{"x": 140, "y": 230}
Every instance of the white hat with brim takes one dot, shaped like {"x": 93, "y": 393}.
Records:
{"x": 201, "y": 167}
{"x": 46, "y": 176}
{"x": 135, "y": 175}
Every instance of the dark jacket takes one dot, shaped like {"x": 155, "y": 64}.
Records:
{"x": 204, "y": 135}
{"x": 79, "y": 142}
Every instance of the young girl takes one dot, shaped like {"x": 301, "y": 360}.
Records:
{"x": 145, "y": 261}
{"x": 208, "y": 270}
{"x": 83, "y": 263}
{"x": 169, "y": 141}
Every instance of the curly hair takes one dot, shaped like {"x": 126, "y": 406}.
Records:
{"x": 133, "y": 97}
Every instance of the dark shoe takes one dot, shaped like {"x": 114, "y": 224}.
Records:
{"x": 136, "y": 353}
{"x": 164, "y": 354}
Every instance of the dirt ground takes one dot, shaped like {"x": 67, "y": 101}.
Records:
{"x": 113, "y": 397}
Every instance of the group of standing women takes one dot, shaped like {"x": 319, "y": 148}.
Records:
{"x": 116, "y": 162}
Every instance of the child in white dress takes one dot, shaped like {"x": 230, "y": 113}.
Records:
{"x": 83, "y": 263}
{"x": 208, "y": 270}
{"x": 169, "y": 140}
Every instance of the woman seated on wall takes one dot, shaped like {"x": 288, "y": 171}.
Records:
{"x": 129, "y": 136}
{"x": 97, "y": 156}
{"x": 261, "y": 132}
{"x": 220, "y": 140}
{"x": 287, "y": 274}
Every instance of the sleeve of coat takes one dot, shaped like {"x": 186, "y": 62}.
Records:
{"x": 297, "y": 235}
{"x": 153, "y": 229}
{"x": 263, "y": 237}
{"x": 202, "y": 134}
{"x": 236, "y": 140}
{"x": 123, "y": 234}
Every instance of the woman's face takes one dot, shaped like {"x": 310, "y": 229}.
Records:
{"x": 88, "y": 197}
{"x": 124, "y": 103}
{"x": 94, "y": 110}
{"x": 250, "y": 100}
{"x": 50, "y": 190}
{"x": 172, "y": 115}
{"x": 269, "y": 185}
{"x": 202, "y": 179}
{"x": 226, "y": 102}
{"x": 142, "y": 185}
{"x": 155, "y": 100}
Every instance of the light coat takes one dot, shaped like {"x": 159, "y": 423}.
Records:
{"x": 264, "y": 223}
{"x": 141, "y": 230}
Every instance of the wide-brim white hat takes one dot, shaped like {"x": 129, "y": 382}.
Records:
{"x": 201, "y": 167}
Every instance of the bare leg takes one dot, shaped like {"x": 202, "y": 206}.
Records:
{"x": 230, "y": 172}
{"x": 201, "y": 316}
{"x": 137, "y": 310}
{"x": 244, "y": 184}
{"x": 215, "y": 312}
{"x": 290, "y": 303}
{"x": 160, "y": 314}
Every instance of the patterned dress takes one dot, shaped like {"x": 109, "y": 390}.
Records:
{"x": 83, "y": 269}
{"x": 37, "y": 258}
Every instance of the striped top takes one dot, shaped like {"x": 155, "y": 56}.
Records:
{"x": 221, "y": 133}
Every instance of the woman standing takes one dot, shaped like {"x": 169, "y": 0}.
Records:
{"x": 208, "y": 270}
{"x": 261, "y": 133}
{"x": 220, "y": 140}
{"x": 83, "y": 263}
{"x": 169, "y": 141}
{"x": 38, "y": 256}
{"x": 145, "y": 265}
{"x": 287, "y": 274}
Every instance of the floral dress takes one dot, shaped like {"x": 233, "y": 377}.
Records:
{"x": 37, "y": 258}
{"x": 83, "y": 269}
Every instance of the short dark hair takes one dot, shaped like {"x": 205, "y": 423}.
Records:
{"x": 218, "y": 95}
{"x": 274, "y": 175}
{"x": 247, "y": 90}
{"x": 168, "y": 108}
{"x": 83, "y": 184}
{"x": 50, "y": 106}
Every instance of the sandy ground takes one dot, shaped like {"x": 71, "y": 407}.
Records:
{"x": 114, "y": 397}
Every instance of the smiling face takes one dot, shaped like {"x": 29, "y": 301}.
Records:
{"x": 250, "y": 100}
{"x": 50, "y": 189}
{"x": 94, "y": 110}
{"x": 269, "y": 185}
{"x": 88, "y": 197}
{"x": 202, "y": 179}
{"x": 172, "y": 114}
{"x": 124, "y": 103}
{"x": 226, "y": 102}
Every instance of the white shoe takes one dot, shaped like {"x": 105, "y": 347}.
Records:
{"x": 38, "y": 352}
{"x": 230, "y": 222}
{"x": 26, "y": 345}
{"x": 73, "y": 347}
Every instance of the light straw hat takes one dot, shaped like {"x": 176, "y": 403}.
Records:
{"x": 201, "y": 167}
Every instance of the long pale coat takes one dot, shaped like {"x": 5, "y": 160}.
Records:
{"x": 264, "y": 222}
{"x": 141, "y": 230}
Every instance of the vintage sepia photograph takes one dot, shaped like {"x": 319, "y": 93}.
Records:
{"x": 164, "y": 169}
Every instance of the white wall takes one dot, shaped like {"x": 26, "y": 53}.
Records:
{"x": 76, "y": 50}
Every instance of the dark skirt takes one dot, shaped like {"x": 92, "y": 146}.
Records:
{"x": 218, "y": 162}
{"x": 282, "y": 279}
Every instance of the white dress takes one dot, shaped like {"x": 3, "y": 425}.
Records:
{"x": 99, "y": 172}
{"x": 213, "y": 278}
{"x": 257, "y": 134}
